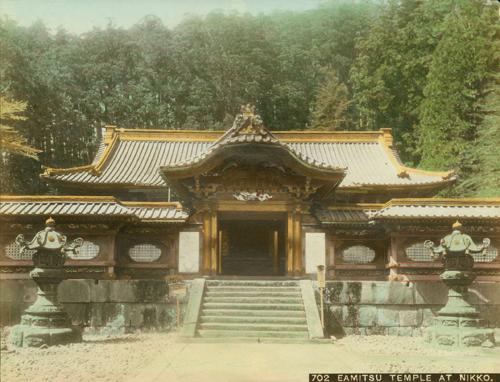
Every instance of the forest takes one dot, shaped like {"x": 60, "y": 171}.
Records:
{"x": 426, "y": 69}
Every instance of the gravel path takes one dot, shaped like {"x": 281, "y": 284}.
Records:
{"x": 161, "y": 357}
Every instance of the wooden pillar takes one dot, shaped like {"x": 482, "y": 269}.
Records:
{"x": 219, "y": 253}
{"x": 276, "y": 264}
{"x": 214, "y": 253}
{"x": 294, "y": 243}
{"x": 289, "y": 243}
{"x": 206, "y": 263}
{"x": 210, "y": 243}
{"x": 297, "y": 244}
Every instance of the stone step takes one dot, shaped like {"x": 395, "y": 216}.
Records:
{"x": 253, "y": 319}
{"x": 254, "y": 340}
{"x": 253, "y": 289}
{"x": 245, "y": 293}
{"x": 253, "y": 313}
{"x": 254, "y": 299}
{"x": 252, "y": 327}
{"x": 252, "y": 306}
{"x": 253, "y": 334}
{"x": 253, "y": 309}
{"x": 254, "y": 283}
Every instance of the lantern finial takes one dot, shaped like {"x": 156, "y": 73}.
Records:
{"x": 50, "y": 222}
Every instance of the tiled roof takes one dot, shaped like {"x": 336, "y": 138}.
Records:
{"x": 82, "y": 206}
{"x": 355, "y": 214}
{"x": 440, "y": 209}
{"x": 134, "y": 157}
{"x": 416, "y": 209}
{"x": 259, "y": 135}
{"x": 367, "y": 163}
{"x": 159, "y": 213}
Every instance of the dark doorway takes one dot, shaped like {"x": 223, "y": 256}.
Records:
{"x": 252, "y": 248}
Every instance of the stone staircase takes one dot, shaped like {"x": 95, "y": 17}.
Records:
{"x": 267, "y": 309}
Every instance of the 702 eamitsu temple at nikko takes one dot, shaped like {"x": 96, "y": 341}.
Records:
{"x": 243, "y": 221}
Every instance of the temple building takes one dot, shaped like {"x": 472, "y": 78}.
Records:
{"x": 249, "y": 203}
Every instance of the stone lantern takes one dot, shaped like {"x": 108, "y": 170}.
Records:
{"x": 45, "y": 322}
{"x": 458, "y": 322}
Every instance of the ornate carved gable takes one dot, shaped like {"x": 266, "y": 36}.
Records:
{"x": 249, "y": 158}
{"x": 251, "y": 183}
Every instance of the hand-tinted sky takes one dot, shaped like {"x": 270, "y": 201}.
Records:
{"x": 81, "y": 15}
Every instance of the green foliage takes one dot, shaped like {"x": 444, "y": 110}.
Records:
{"x": 10, "y": 140}
{"x": 423, "y": 68}
{"x": 451, "y": 112}
{"x": 484, "y": 177}
{"x": 391, "y": 67}
{"x": 330, "y": 106}
{"x": 194, "y": 76}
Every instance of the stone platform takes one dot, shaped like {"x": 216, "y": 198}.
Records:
{"x": 459, "y": 331}
{"x": 394, "y": 308}
{"x": 353, "y": 307}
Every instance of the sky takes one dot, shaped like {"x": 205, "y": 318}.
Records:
{"x": 79, "y": 16}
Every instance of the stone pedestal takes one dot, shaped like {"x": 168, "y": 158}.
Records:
{"x": 459, "y": 331}
{"x": 45, "y": 322}
{"x": 458, "y": 322}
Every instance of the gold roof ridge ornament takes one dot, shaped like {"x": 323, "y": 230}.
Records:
{"x": 249, "y": 122}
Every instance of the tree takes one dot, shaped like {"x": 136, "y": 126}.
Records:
{"x": 10, "y": 139}
{"x": 451, "y": 111}
{"x": 331, "y": 104}
{"x": 420, "y": 67}
{"x": 485, "y": 178}
{"x": 390, "y": 71}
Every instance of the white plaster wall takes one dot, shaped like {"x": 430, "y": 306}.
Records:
{"x": 189, "y": 252}
{"x": 315, "y": 250}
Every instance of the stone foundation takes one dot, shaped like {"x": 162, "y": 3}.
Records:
{"x": 351, "y": 307}
{"x": 100, "y": 306}
{"x": 393, "y": 308}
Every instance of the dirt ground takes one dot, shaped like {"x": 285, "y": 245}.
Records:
{"x": 162, "y": 357}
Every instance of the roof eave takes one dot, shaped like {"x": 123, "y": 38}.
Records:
{"x": 216, "y": 157}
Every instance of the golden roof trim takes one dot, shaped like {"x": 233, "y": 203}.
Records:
{"x": 86, "y": 198}
{"x": 453, "y": 202}
{"x": 395, "y": 187}
{"x": 62, "y": 198}
{"x": 357, "y": 206}
{"x": 106, "y": 154}
{"x": 386, "y": 141}
{"x": 95, "y": 168}
{"x": 213, "y": 135}
{"x": 114, "y": 134}
{"x": 177, "y": 205}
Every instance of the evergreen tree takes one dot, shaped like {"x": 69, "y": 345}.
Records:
{"x": 485, "y": 180}
{"x": 391, "y": 66}
{"x": 450, "y": 112}
{"x": 10, "y": 140}
{"x": 330, "y": 105}
{"x": 420, "y": 67}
